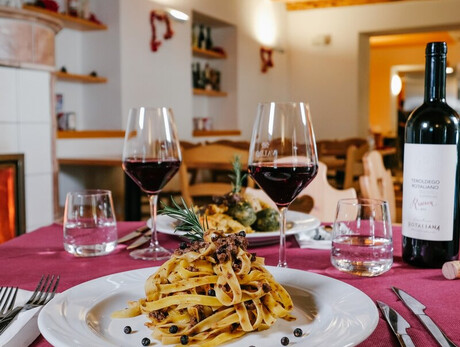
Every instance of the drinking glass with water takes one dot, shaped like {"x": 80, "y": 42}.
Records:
{"x": 90, "y": 227}
{"x": 362, "y": 241}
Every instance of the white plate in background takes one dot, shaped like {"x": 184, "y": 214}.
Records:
{"x": 301, "y": 222}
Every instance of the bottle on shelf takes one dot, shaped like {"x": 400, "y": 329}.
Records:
{"x": 201, "y": 38}
{"x": 208, "y": 43}
{"x": 194, "y": 36}
{"x": 430, "y": 220}
{"x": 196, "y": 76}
{"x": 207, "y": 77}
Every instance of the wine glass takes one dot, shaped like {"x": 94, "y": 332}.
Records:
{"x": 151, "y": 157}
{"x": 282, "y": 156}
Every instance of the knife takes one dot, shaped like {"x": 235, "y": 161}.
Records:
{"x": 418, "y": 309}
{"x": 141, "y": 240}
{"x": 134, "y": 234}
{"x": 397, "y": 323}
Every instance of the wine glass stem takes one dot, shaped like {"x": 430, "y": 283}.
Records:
{"x": 282, "y": 255}
{"x": 153, "y": 200}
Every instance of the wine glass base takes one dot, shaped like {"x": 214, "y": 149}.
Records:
{"x": 151, "y": 253}
{"x": 281, "y": 264}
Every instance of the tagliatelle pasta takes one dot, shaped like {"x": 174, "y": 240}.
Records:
{"x": 211, "y": 291}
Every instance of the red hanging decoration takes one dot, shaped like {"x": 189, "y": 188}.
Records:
{"x": 266, "y": 56}
{"x": 161, "y": 16}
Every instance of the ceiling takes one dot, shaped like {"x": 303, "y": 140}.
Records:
{"x": 295, "y": 5}
{"x": 382, "y": 41}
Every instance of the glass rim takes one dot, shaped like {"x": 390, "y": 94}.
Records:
{"x": 362, "y": 201}
{"x": 293, "y": 103}
{"x": 90, "y": 192}
{"x": 136, "y": 108}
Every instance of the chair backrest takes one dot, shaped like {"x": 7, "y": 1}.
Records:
{"x": 325, "y": 196}
{"x": 338, "y": 148}
{"x": 236, "y": 144}
{"x": 208, "y": 157}
{"x": 377, "y": 181}
{"x": 354, "y": 164}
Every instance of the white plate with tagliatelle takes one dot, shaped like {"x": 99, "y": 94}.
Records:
{"x": 329, "y": 312}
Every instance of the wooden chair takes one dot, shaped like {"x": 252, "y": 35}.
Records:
{"x": 354, "y": 164}
{"x": 377, "y": 181}
{"x": 237, "y": 144}
{"x": 342, "y": 158}
{"x": 325, "y": 196}
{"x": 208, "y": 157}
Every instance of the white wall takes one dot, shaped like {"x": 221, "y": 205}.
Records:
{"x": 335, "y": 78}
{"x": 25, "y": 127}
{"x": 137, "y": 76}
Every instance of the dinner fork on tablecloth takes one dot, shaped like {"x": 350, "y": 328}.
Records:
{"x": 7, "y": 300}
{"x": 45, "y": 291}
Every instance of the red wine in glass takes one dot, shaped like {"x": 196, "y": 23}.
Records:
{"x": 151, "y": 175}
{"x": 282, "y": 182}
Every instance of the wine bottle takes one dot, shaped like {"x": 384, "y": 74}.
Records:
{"x": 208, "y": 42}
{"x": 430, "y": 220}
{"x": 201, "y": 38}
{"x": 194, "y": 36}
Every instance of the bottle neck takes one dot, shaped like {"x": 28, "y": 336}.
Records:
{"x": 435, "y": 78}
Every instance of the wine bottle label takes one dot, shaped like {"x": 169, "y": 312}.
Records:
{"x": 429, "y": 191}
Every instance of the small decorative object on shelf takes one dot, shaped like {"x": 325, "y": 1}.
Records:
{"x": 75, "y": 16}
{"x": 202, "y": 123}
{"x": 219, "y": 50}
{"x": 11, "y": 3}
{"x": 49, "y": 5}
{"x": 73, "y": 8}
{"x": 59, "y": 103}
{"x": 67, "y": 121}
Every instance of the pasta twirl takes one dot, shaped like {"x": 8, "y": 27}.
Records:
{"x": 212, "y": 291}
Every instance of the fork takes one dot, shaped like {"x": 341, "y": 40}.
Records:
{"x": 7, "y": 300}
{"x": 44, "y": 292}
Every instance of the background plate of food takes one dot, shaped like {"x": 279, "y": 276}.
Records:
{"x": 298, "y": 222}
{"x": 329, "y": 312}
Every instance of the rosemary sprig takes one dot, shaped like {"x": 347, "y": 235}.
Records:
{"x": 236, "y": 177}
{"x": 190, "y": 222}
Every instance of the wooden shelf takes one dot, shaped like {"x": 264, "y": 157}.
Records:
{"x": 65, "y": 76}
{"x": 204, "y": 53}
{"x": 90, "y": 161}
{"x": 202, "y": 133}
{"x": 70, "y": 22}
{"x": 90, "y": 134}
{"x": 205, "y": 92}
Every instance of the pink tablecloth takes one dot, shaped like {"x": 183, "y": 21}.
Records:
{"x": 25, "y": 258}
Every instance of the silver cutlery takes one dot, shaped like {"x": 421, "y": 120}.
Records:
{"x": 141, "y": 240}
{"x": 397, "y": 323}
{"x": 138, "y": 232}
{"x": 7, "y": 299}
{"x": 418, "y": 309}
{"x": 44, "y": 292}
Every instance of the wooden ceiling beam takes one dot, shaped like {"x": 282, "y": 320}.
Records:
{"x": 314, "y": 4}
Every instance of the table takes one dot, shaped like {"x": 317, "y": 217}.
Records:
{"x": 28, "y": 256}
